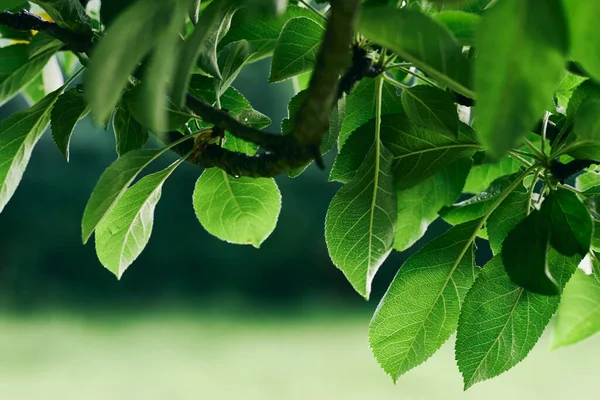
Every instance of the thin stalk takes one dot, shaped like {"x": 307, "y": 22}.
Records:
{"x": 426, "y": 80}
{"x": 394, "y": 82}
{"x": 526, "y": 154}
{"x": 314, "y": 10}
{"x": 517, "y": 157}
{"x": 545, "y": 130}
{"x": 539, "y": 154}
{"x": 532, "y": 190}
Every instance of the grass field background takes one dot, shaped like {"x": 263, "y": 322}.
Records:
{"x": 177, "y": 355}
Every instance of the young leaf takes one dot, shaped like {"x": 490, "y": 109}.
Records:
{"x": 578, "y": 315}
{"x": 130, "y": 37}
{"x": 296, "y": 50}
{"x": 129, "y": 134}
{"x": 361, "y": 218}
{"x": 237, "y": 210}
{"x": 420, "y": 40}
{"x": 478, "y": 205}
{"x": 584, "y": 38}
{"x": 124, "y": 232}
{"x": 570, "y": 223}
{"x": 587, "y": 91}
{"x": 69, "y": 109}
{"x": 521, "y": 49}
{"x": 500, "y": 322}
{"x": 360, "y": 106}
{"x": 231, "y": 60}
{"x": 584, "y": 142}
{"x": 17, "y": 69}
{"x": 112, "y": 185}
{"x": 431, "y": 108}
{"x": 420, "y": 310}
{"x": 201, "y": 46}
{"x": 19, "y": 134}
{"x": 262, "y": 31}
{"x": 507, "y": 216}
{"x": 482, "y": 176}
{"x": 418, "y": 206}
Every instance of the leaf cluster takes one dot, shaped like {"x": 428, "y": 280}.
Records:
{"x": 483, "y": 113}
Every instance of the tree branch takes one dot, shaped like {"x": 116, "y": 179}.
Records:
{"x": 26, "y": 21}
{"x": 284, "y": 153}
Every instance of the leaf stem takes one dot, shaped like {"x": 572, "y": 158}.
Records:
{"x": 545, "y": 130}
{"x": 410, "y": 72}
{"x": 532, "y": 190}
{"x": 540, "y": 156}
{"x": 518, "y": 157}
{"x": 313, "y": 9}
{"x": 394, "y": 82}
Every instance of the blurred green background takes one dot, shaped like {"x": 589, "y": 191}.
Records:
{"x": 194, "y": 317}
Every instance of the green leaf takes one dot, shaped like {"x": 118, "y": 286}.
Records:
{"x": 587, "y": 91}
{"x": 418, "y": 206}
{"x": 19, "y": 133}
{"x": 112, "y": 185}
{"x": 420, "y": 310}
{"x": 500, "y": 322}
{"x": 361, "y": 219}
{"x": 521, "y": 50}
{"x": 231, "y": 60}
{"x": 201, "y": 46}
{"x": 584, "y": 142}
{"x": 296, "y": 50}
{"x": 360, "y": 106}
{"x": 17, "y": 69}
{"x": 417, "y": 152}
{"x": 239, "y": 107}
{"x": 571, "y": 224}
{"x": 68, "y": 14}
{"x": 237, "y": 210}
{"x": 122, "y": 235}
{"x": 478, "y": 205}
{"x": 524, "y": 254}
{"x": 133, "y": 34}
{"x": 262, "y": 31}
{"x": 578, "y": 315}
{"x": 129, "y": 134}
{"x": 43, "y": 42}
{"x": 431, "y": 108}
{"x": 508, "y": 214}
{"x": 158, "y": 78}
{"x": 69, "y": 109}
{"x": 9, "y": 4}
{"x": 463, "y": 25}
{"x": 567, "y": 87}
{"x": 420, "y": 40}
{"x": 584, "y": 38}
{"x": 482, "y": 176}
{"x": 134, "y": 100}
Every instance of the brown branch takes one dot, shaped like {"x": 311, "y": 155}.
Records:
{"x": 285, "y": 153}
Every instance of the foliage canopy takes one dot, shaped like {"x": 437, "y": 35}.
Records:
{"x": 485, "y": 113}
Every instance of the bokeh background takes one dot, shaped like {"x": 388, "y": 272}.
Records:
{"x": 195, "y": 317}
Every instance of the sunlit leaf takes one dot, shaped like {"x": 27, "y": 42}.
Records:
{"x": 361, "y": 218}
{"x": 578, "y": 315}
{"x": 500, "y": 322}
{"x": 124, "y": 232}
{"x": 420, "y": 310}
{"x": 112, "y": 185}
{"x": 237, "y": 210}
{"x": 584, "y": 38}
